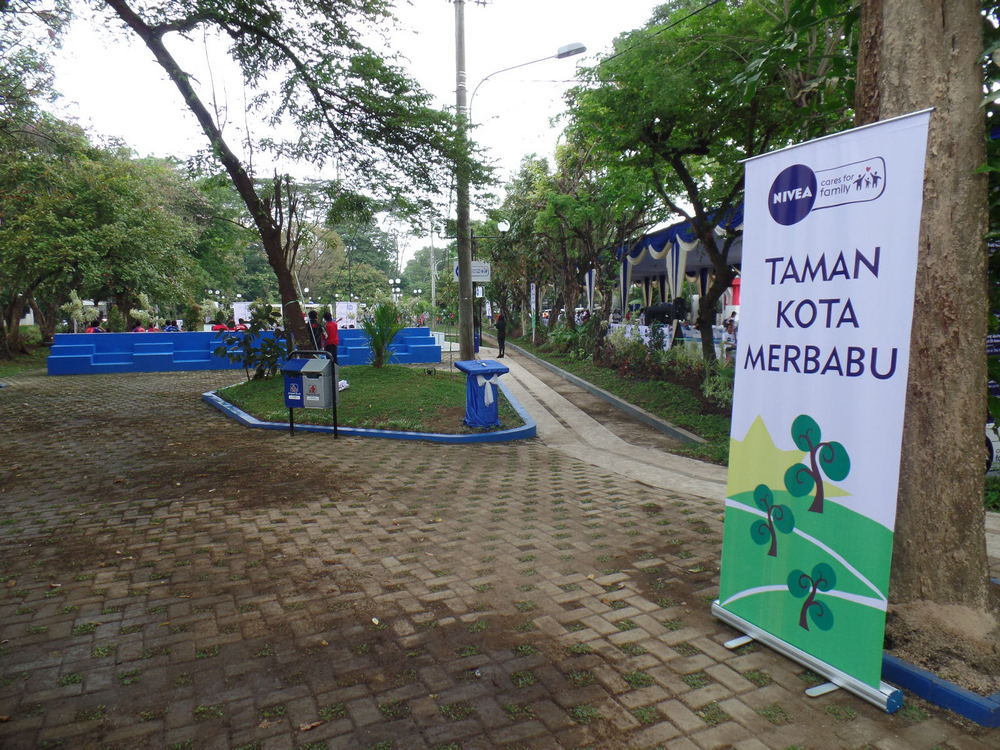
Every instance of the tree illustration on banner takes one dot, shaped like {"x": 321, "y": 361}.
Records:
{"x": 801, "y": 585}
{"x": 829, "y": 458}
{"x": 779, "y": 518}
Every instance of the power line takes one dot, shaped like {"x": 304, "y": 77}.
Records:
{"x": 669, "y": 26}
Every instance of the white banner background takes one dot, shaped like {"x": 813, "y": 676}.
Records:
{"x": 864, "y": 413}
{"x": 807, "y": 539}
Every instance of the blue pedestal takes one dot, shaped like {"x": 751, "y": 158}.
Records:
{"x": 481, "y": 396}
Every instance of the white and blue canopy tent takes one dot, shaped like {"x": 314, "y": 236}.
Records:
{"x": 662, "y": 258}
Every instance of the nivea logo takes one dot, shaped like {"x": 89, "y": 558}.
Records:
{"x": 792, "y": 194}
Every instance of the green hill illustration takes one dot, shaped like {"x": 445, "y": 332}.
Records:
{"x": 814, "y": 574}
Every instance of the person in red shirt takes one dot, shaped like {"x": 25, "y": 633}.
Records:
{"x": 94, "y": 327}
{"x": 220, "y": 327}
{"x": 330, "y": 328}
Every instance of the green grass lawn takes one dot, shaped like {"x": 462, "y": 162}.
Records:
{"x": 393, "y": 397}
{"x": 24, "y": 362}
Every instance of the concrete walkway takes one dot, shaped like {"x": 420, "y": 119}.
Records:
{"x": 172, "y": 580}
{"x": 570, "y": 430}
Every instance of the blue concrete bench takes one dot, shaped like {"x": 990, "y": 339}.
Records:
{"x": 153, "y": 347}
{"x": 409, "y": 346}
{"x": 83, "y": 353}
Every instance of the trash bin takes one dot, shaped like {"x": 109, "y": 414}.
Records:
{"x": 481, "y": 398}
{"x": 292, "y": 372}
{"x": 308, "y": 383}
{"x": 317, "y": 383}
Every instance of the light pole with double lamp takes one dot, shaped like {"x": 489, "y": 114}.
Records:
{"x": 462, "y": 168}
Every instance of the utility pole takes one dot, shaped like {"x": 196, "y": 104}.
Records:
{"x": 465, "y": 292}
{"x": 433, "y": 279}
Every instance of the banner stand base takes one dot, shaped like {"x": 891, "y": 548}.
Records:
{"x": 735, "y": 643}
{"x": 817, "y": 690}
{"x": 886, "y": 697}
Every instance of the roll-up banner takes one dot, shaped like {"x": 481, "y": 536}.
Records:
{"x": 829, "y": 259}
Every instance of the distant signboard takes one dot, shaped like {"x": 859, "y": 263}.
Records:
{"x": 993, "y": 344}
{"x": 241, "y": 310}
{"x": 481, "y": 272}
{"x": 347, "y": 314}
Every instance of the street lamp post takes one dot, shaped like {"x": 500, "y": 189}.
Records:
{"x": 462, "y": 167}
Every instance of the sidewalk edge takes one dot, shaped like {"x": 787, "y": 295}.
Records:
{"x": 678, "y": 433}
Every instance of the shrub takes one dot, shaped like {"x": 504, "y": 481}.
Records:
{"x": 116, "y": 321}
{"x": 625, "y": 353}
{"x": 562, "y": 338}
{"x": 32, "y": 335}
{"x": 683, "y": 362}
{"x": 657, "y": 335}
{"x": 718, "y": 384}
{"x": 253, "y": 348}
{"x": 192, "y": 318}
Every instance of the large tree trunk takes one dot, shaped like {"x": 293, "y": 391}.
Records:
{"x": 524, "y": 294}
{"x": 270, "y": 231}
{"x": 47, "y": 318}
{"x": 15, "y": 343}
{"x": 571, "y": 294}
{"x": 918, "y": 54}
{"x": 5, "y": 351}
{"x": 554, "y": 311}
{"x": 722, "y": 280}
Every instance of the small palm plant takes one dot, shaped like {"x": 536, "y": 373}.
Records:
{"x": 382, "y": 324}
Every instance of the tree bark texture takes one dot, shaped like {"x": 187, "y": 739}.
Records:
{"x": 917, "y": 54}
{"x": 45, "y": 319}
{"x": 14, "y": 340}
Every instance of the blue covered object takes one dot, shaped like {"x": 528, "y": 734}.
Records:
{"x": 481, "y": 394}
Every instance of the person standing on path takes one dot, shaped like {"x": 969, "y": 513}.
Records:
{"x": 501, "y": 325}
{"x": 315, "y": 331}
{"x": 330, "y": 326}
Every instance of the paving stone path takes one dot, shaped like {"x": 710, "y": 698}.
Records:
{"x": 170, "y": 579}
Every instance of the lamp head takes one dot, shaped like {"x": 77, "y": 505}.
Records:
{"x": 503, "y": 226}
{"x": 568, "y": 50}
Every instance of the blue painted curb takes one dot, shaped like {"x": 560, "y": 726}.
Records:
{"x": 527, "y": 430}
{"x": 930, "y": 687}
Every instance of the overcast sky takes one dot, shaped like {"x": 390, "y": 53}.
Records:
{"x": 112, "y": 86}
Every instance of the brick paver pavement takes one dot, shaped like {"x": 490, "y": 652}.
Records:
{"x": 173, "y": 580}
